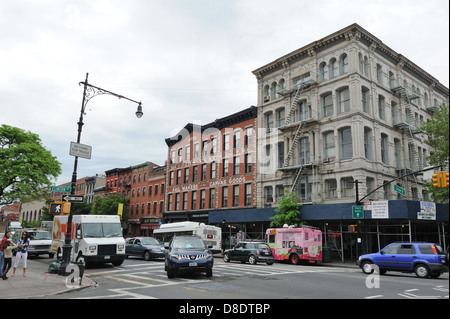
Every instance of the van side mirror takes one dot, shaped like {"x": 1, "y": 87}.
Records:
{"x": 166, "y": 245}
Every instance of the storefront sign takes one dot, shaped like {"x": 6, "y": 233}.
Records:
{"x": 380, "y": 209}
{"x": 427, "y": 211}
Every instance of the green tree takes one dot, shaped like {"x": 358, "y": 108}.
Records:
{"x": 288, "y": 212}
{"x": 108, "y": 205}
{"x": 437, "y": 128}
{"x": 26, "y": 166}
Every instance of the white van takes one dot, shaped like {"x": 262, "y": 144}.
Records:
{"x": 95, "y": 238}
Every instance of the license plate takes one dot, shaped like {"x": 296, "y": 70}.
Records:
{"x": 107, "y": 257}
{"x": 192, "y": 264}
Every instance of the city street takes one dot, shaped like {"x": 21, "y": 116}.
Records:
{"x": 140, "y": 279}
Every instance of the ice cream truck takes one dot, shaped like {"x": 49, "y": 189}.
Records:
{"x": 94, "y": 238}
{"x": 295, "y": 244}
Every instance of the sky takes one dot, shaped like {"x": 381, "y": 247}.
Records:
{"x": 187, "y": 61}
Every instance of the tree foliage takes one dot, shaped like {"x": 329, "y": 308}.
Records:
{"x": 26, "y": 166}
{"x": 108, "y": 205}
{"x": 437, "y": 128}
{"x": 288, "y": 212}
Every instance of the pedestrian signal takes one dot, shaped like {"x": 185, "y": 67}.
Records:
{"x": 436, "y": 179}
{"x": 59, "y": 208}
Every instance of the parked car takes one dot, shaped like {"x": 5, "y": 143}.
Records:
{"x": 188, "y": 254}
{"x": 252, "y": 252}
{"x": 146, "y": 247}
{"x": 40, "y": 242}
{"x": 423, "y": 259}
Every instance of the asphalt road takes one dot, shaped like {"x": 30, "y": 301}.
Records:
{"x": 138, "y": 279}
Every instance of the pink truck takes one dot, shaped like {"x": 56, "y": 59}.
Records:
{"x": 295, "y": 244}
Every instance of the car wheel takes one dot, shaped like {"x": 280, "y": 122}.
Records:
{"x": 295, "y": 260}
{"x": 226, "y": 258}
{"x": 252, "y": 260}
{"x": 170, "y": 273}
{"x": 366, "y": 267}
{"x": 146, "y": 255}
{"x": 421, "y": 271}
{"x": 269, "y": 262}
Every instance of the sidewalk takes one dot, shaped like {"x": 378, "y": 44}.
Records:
{"x": 36, "y": 284}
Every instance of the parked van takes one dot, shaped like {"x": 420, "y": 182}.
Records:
{"x": 40, "y": 241}
{"x": 95, "y": 238}
{"x": 295, "y": 244}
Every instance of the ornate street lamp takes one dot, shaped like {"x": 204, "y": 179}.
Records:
{"x": 89, "y": 92}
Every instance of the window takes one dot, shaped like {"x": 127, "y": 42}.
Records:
{"x": 196, "y": 150}
{"x": 280, "y": 117}
{"x": 344, "y": 64}
{"x": 379, "y": 74}
{"x": 391, "y": 80}
{"x": 237, "y": 139}
{"x": 211, "y": 197}
{"x": 346, "y": 149}
{"x": 394, "y": 112}
{"x": 213, "y": 145}
{"x": 397, "y": 153}
{"x": 185, "y": 200}
{"x": 268, "y": 120}
{"x": 367, "y": 144}
{"x": 365, "y": 99}
{"x": 204, "y": 148}
{"x": 187, "y": 153}
{"x": 194, "y": 174}
{"x": 303, "y": 112}
{"x": 226, "y": 142}
{"x": 180, "y": 155}
{"x": 280, "y": 154}
{"x": 225, "y": 165}
{"x": 248, "y": 136}
{"x": 248, "y": 163}
{"x": 343, "y": 100}
{"x": 186, "y": 175}
{"x": 323, "y": 71}
{"x": 194, "y": 200}
{"x": 178, "y": 177}
{"x": 236, "y": 164}
{"x": 236, "y": 195}
{"x": 248, "y": 194}
{"x": 381, "y": 107}
{"x": 225, "y": 196}
{"x": 327, "y": 105}
{"x": 203, "y": 176}
{"x": 213, "y": 170}
{"x": 330, "y": 188}
{"x": 273, "y": 90}
{"x": 333, "y": 68}
{"x": 202, "y": 198}
{"x": 386, "y": 190}
{"x": 329, "y": 151}
{"x": 268, "y": 194}
{"x": 384, "y": 144}
{"x": 169, "y": 202}
{"x": 304, "y": 150}
{"x": 347, "y": 187}
{"x": 177, "y": 201}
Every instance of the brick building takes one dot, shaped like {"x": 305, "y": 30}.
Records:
{"x": 211, "y": 167}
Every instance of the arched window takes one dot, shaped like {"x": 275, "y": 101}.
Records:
{"x": 344, "y": 64}
{"x": 273, "y": 90}
{"x": 333, "y": 68}
{"x": 323, "y": 71}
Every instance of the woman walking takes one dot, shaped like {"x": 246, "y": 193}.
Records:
{"x": 22, "y": 253}
{"x": 2, "y": 245}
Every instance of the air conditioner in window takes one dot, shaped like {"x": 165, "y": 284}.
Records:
{"x": 266, "y": 98}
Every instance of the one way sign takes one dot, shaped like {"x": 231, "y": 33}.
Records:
{"x": 73, "y": 198}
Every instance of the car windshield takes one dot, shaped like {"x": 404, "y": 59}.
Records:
{"x": 188, "y": 243}
{"x": 42, "y": 235}
{"x": 102, "y": 230}
{"x": 149, "y": 241}
{"x": 263, "y": 246}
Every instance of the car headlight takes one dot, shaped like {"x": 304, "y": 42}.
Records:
{"x": 92, "y": 247}
{"x": 120, "y": 246}
{"x": 176, "y": 257}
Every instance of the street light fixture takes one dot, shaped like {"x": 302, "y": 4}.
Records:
{"x": 89, "y": 92}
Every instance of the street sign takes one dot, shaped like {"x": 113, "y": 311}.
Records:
{"x": 399, "y": 190}
{"x": 80, "y": 150}
{"x": 73, "y": 198}
{"x": 61, "y": 189}
{"x": 357, "y": 212}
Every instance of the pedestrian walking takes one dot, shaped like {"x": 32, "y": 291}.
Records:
{"x": 22, "y": 253}
{"x": 2, "y": 243}
{"x": 8, "y": 251}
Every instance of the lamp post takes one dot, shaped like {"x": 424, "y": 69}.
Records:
{"x": 89, "y": 92}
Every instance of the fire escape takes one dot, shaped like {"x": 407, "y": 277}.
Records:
{"x": 407, "y": 124}
{"x": 295, "y": 124}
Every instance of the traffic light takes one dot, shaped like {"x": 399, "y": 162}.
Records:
{"x": 56, "y": 208}
{"x": 436, "y": 179}
{"x": 444, "y": 179}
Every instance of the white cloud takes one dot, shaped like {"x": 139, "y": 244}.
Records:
{"x": 187, "y": 61}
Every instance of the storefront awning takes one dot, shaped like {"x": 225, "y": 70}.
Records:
{"x": 241, "y": 215}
